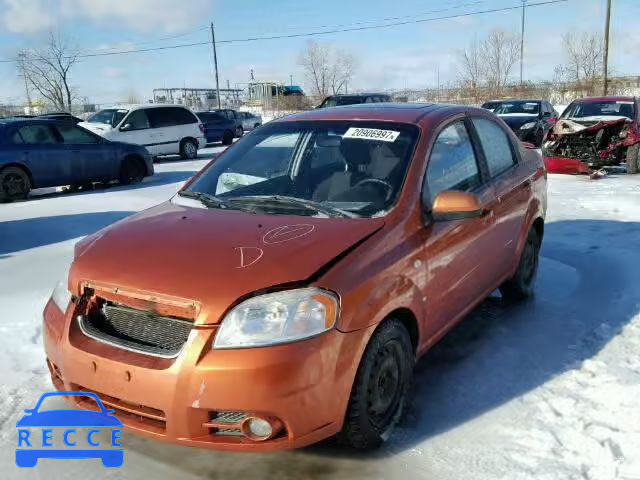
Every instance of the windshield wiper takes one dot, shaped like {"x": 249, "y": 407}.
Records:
{"x": 208, "y": 200}
{"x": 299, "y": 202}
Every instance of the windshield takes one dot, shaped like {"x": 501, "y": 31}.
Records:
{"x": 108, "y": 116}
{"x": 337, "y": 101}
{"x": 611, "y": 108}
{"x": 340, "y": 168}
{"x": 517, "y": 108}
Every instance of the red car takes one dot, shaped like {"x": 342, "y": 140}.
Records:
{"x": 592, "y": 133}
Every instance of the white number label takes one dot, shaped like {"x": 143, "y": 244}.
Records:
{"x": 371, "y": 134}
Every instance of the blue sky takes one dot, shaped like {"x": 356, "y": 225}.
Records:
{"x": 395, "y": 57}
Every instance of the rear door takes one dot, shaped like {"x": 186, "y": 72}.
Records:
{"x": 457, "y": 253}
{"x": 94, "y": 159}
{"x": 38, "y": 146}
{"x": 512, "y": 183}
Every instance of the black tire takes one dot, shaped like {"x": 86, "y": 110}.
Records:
{"x": 132, "y": 170}
{"x": 256, "y": 126}
{"x": 539, "y": 138}
{"x": 239, "y": 131}
{"x": 381, "y": 388}
{"x": 522, "y": 284}
{"x": 188, "y": 149}
{"x": 227, "y": 137}
{"x": 633, "y": 159}
{"x": 15, "y": 184}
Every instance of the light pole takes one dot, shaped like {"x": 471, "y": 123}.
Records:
{"x": 606, "y": 48}
{"x": 524, "y": 6}
{"x": 21, "y": 59}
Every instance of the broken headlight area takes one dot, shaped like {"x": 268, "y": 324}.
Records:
{"x": 596, "y": 145}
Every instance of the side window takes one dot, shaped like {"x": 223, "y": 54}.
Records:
{"x": 453, "y": 164}
{"x": 181, "y": 116}
{"x": 16, "y": 137}
{"x": 37, "y": 134}
{"x": 137, "y": 120}
{"x": 75, "y": 135}
{"x": 495, "y": 145}
{"x": 369, "y": 100}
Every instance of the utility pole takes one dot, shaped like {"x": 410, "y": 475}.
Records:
{"x": 524, "y": 6}
{"x": 606, "y": 48}
{"x": 21, "y": 59}
{"x": 215, "y": 64}
{"x": 291, "y": 80}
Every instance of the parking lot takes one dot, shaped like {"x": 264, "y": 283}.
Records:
{"x": 547, "y": 389}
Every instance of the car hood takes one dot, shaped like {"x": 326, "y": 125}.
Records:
{"x": 97, "y": 128}
{"x": 516, "y": 121}
{"x": 212, "y": 257}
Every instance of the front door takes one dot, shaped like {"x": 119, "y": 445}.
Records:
{"x": 136, "y": 129}
{"x": 458, "y": 252}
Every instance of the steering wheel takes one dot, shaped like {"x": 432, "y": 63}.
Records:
{"x": 377, "y": 181}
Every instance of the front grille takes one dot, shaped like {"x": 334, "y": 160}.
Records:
{"x": 226, "y": 424}
{"x": 136, "y": 330}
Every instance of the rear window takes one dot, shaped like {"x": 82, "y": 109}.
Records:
{"x": 344, "y": 100}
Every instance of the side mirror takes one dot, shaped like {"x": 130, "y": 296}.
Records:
{"x": 453, "y": 205}
{"x": 126, "y": 126}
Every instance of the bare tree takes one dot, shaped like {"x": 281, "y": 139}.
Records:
{"x": 472, "y": 70}
{"x": 584, "y": 64}
{"x": 327, "y": 69}
{"x": 500, "y": 51}
{"x": 47, "y": 70}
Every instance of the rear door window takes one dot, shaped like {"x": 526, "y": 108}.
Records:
{"x": 496, "y": 146}
{"x": 453, "y": 164}
{"x": 73, "y": 135}
{"x": 37, "y": 134}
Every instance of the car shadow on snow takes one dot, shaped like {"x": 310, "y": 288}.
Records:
{"x": 498, "y": 353}
{"x": 28, "y": 233}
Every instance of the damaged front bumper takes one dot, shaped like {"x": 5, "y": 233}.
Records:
{"x": 571, "y": 147}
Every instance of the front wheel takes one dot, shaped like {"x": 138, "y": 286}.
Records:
{"x": 188, "y": 149}
{"x": 132, "y": 170}
{"x": 633, "y": 159}
{"x": 239, "y": 132}
{"x": 381, "y": 389}
{"x": 521, "y": 285}
{"x": 14, "y": 184}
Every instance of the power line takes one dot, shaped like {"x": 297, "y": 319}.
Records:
{"x": 313, "y": 34}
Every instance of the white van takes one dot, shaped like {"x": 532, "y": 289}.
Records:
{"x": 162, "y": 129}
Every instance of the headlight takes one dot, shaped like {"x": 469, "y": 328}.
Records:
{"x": 528, "y": 125}
{"x": 279, "y": 317}
{"x": 61, "y": 295}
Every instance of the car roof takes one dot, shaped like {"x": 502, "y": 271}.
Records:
{"x": 365, "y": 94}
{"x": 392, "y": 112}
{"x": 25, "y": 120}
{"x": 136, "y": 106}
{"x": 611, "y": 98}
{"x": 500, "y": 100}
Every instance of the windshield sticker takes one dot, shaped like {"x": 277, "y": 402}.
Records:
{"x": 372, "y": 134}
{"x": 624, "y": 102}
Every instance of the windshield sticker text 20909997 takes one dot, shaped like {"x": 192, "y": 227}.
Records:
{"x": 371, "y": 134}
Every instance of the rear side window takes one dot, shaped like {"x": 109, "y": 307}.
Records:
{"x": 36, "y": 134}
{"x": 453, "y": 164}
{"x": 169, "y": 117}
{"x": 74, "y": 135}
{"x": 495, "y": 145}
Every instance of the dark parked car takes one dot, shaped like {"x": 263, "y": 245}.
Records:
{"x": 339, "y": 100}
{"x": 530, "y": 120}
{"x": 217, "y": 127}
{"x": 61, "y": 116}
{"x": 235, "y": 117}
{"x": 37, "y": 153}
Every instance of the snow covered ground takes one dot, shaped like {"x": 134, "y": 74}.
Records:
{"x": 545, "y": 390}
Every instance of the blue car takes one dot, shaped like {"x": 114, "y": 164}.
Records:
{"x": 217, "y": 127}
{"x": 44, "y": 152}
{"x": 28, "y": 457}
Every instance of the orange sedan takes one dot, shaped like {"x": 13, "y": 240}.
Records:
{"x": 285, "y": 293}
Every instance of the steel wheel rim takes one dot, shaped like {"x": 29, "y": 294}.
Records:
{"x": 190, "y": 149}
{"x": 385, "y": 386}
{"x": 529, "y": 261}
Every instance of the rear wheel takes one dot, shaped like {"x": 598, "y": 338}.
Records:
{"x": 132, "y": 170}
{"x": 521, "y": 285}
{"x": 14, "y": 184}
{"x": 227, "y": 138}
{"x": 188, "y": 149}
{"x": 381, "y": 389}
{"x": 633, "y": 159}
